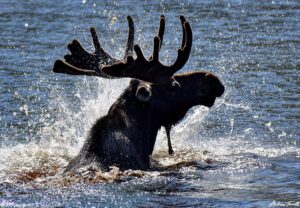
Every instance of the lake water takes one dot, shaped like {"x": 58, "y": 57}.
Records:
{"x": 245, "y": 150}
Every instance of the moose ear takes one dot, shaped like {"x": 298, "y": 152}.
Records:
{"x": 143, "y": 93}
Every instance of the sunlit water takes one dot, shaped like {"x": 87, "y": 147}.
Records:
{"x": 242, "y": 152}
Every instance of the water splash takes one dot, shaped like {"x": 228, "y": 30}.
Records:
{"x": 43, "y": 159}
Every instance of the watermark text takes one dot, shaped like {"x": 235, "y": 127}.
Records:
{"x": 285, "y": 204}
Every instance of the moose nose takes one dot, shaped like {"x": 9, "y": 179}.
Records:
{"x": 218, "y": 87}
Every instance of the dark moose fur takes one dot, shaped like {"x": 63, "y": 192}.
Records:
{"x": 125, "y": 137}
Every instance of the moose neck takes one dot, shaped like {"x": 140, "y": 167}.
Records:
{"x": 139, "y": 124}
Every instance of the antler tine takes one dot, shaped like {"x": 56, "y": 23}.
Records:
{"x": 184, "y": 51}
{"x": 161, "y": 29}
{"x": 160, "y": 35}
{"x": 61, "y": 66}
{"x": 99, "y": 51}
{"x": 183, "y": 20}
{"x": 139, "y": 54}
{"x": 130, "y": 39}
{"x": 97, "y": 46}
{"x": 156, "y": 47}
{"x": 158, "y": 39}
{"x": 75, "y": 45}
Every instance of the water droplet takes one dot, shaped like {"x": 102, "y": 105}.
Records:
{"x": 283, "y": 134}
{"x": 247, "y": 130}
{"x": 113, "y": 20}
{"x": 77, "y": 95}
{"x": 269, "y": 124}
{"x": 24, "y": 109}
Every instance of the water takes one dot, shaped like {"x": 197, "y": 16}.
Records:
{"x": 243, "y": 152}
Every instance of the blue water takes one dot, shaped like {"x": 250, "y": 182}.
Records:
{"x": 246, "y": 147}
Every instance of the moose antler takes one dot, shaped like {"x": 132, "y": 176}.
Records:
{"x": 152, "y": 70}
{"x": 81, "y": 62}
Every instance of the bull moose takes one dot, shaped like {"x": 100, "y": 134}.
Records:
{"x": 156, "y": 97}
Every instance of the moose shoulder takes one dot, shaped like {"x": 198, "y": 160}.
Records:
{"x": 156, "y": 97}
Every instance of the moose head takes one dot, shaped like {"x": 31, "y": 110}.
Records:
{"x": 156, "y": 97}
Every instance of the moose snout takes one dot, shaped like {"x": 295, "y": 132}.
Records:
{"x": 217, "y": 86}
{"x": 219, "y": 89}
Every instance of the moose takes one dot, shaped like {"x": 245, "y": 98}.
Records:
{"x": 156, "y": 97}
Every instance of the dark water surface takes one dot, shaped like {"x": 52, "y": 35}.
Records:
{"x": 246, "y": 147}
